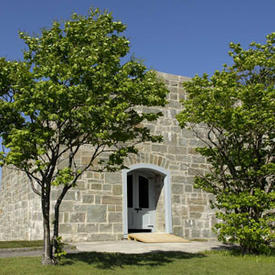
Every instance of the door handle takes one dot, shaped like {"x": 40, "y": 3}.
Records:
{"x": 138, "y": 209}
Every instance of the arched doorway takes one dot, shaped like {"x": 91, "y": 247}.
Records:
{"x": 146, "y": 199}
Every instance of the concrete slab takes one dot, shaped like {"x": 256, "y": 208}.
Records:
{"x": 134, "y": 247}
{"x": 156, "y": 238}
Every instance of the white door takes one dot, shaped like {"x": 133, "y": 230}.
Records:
{"x": 141, "y": 203}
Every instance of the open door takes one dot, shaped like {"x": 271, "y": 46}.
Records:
{"x": 141, "y": 203}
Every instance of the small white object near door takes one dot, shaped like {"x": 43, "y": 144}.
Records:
{"x": 141, "y": 203}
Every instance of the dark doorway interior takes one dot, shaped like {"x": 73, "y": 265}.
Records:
{"x": 139, "y": 230}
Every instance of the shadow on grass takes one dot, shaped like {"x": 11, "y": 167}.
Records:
{"x": 112, "y": 260}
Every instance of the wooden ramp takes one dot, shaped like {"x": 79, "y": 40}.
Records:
{"x": 156, "y": 238}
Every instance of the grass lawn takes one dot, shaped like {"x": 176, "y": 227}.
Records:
{"x": 20, "y": 244}
{"x": 219, "y": 262}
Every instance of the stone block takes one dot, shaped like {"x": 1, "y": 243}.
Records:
{"x": 113, "y": 178}
{"x": 206, "y": 233}
{"x": 107, "y": 187}
{"x": 196, "y": 208}
{"x": 72, "y": 195}
{"x": 187, "y": 233}
{"x": 188, "y": 188}
{"x": 77, "y": 217}
{"x": 111, "y": 207}
{"x": 172, "y": 149}
{"x": 189, "y": 223}
{"x": 37, "y": 216}
{"x": 103, "y": 228}
{"x": 167, "y": 76}
{"x": 89, "y": 174}
{"x": 174, "y": 96}
{"x": 192, "y": 151}
{"x": 85, "y": 160}
{"x": 97, "y": 199}
{"x": 101, "y": 237}
{"x": 160, "y": 148}
{"x": 118, "y": 208}
{"x": 81, "y": 185}
{"x": 115, "y": 217}
{"x": 117, "y": 228}
{"x": 178, "y": 179}
{"x": 178, "y": 230}
{"x": 185, "y": 159}
{"x": 174, "y": 167}
{"x": 185, "y": 211}
{"x": 111, "y": 200}
{"x": 189, "y": 180}
{"x": 195, "y": 215}
{"x": 176, "y": 220}
{"x": 96, "y": 213}
{"x": 66, "y": 206}
{"x": 117, "y": 189}
{"x": 66, "y": 228}
{"x": 194, "y": 172}
{"x": 175, "y": 199}
{"x": 196, "y": 143}
{"x": 87, "y": 228}
{"x": 96, "y": 186}
{"x": 187, "y": 133}
{"x": 195, "y": 233}
{"x": 177, "y": 188}
{"x": 88, "y": 198}
{"x": 66, "y": 217}
{"x": 194, "y": 201}
{"x": 198, "y": 159}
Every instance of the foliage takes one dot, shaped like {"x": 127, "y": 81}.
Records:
{"x": 72, "y": 90}
{"x": 236, "y": 110}
{"x": 59, "y": 251}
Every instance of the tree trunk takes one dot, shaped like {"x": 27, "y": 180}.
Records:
{"x": 56, "y": 228}
{"x": 55, "y": 241}
{"x": 47, "y": 257}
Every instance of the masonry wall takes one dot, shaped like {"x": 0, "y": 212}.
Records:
{"x": 93, "y": 210}
{"x": 15, "y": 212}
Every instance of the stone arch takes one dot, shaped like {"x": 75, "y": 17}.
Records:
{"x": 147, "y": 157}
{"x": 166, "y": 188}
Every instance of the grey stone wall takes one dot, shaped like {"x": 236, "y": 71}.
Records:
{"x": 93, "y": 210}
{"x": 15, "y": 215}
{"x": 191, "y": 213}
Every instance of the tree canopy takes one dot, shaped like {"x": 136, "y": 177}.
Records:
{"x": 233, "y": 114}
{"x": 74, "y": 89}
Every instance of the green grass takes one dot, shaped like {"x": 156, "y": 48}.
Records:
{"x": 166, "y": 263}
{"x": 20, "y": 244}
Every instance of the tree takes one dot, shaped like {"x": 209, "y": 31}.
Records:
{"x": 236, "y": 110}
{"x": 71, "y": 90}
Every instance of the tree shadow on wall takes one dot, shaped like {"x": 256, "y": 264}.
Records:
{"x": 112, "y": 260}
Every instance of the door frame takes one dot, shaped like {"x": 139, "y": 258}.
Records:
{"x": 167, "y": 194}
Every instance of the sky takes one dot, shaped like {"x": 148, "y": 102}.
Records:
{"x": 183, "y": 37}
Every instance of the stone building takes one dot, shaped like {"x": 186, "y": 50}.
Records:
{"x": 155, "y": 194}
